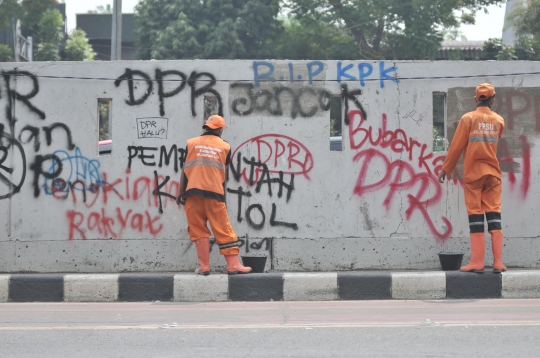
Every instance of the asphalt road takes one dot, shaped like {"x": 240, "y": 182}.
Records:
{"x": 448, "y": 328}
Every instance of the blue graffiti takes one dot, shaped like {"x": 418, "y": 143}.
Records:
{"x": 263, "y": 71}
{"x": 365, "y": 70}
{"x": 75, "y": 168}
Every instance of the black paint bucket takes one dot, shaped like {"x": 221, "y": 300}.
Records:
{"x": 450, "y": 261}
{"x": 257, "y": 263}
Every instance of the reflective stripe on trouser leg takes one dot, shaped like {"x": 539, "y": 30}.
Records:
{"x": 230, "y": 244}
{"x": 494, "y": 221}
{"x": 476, "y": 223}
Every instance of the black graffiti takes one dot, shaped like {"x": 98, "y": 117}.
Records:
{"x": 261, "y": 100}
{"x": 4, "y": 152}
{"x": 257, "y": 207}
{"x": 128, "y": 75}
{"x": 13, "y": 95}
{"x": 37, "y": 167}
{"x": 273, "y": 221}
{"x": 158, "y": 193}
{"x": 203, "y": 90}
{"x": 11, "y": 144}
{"x": 253, "y": 245}
{"x": 160, "y": 76}
{"x": 59, "y": 185}
{"x": 34, "y": 135}
{"x": 48, "y": 137}
{"x": 258, "y": 245}
{"x": 264, "y": 178}
{"x": 240, "y": 193}
{"x": 179, "y": 156}
{"x": 162, "y": 95}
{"x": 347, "y": 96}
{"x": 250, "y": 221}
{"x": 148, "y": 159}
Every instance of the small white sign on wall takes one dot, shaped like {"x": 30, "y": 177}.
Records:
{"x": 152, "y": 127}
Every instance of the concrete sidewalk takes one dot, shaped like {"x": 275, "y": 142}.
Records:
{"x": 312, "y": 286}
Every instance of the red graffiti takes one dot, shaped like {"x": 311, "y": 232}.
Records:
{"x": 417, "y": 175}
{"x": 278, "y": 152}
{"x": 526, "y": 154}
{"x": 505, "y": 106}
{"x": 127, "y": 188}
{"x": 102, "y": 224}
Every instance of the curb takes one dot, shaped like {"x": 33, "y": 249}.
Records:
{"x": 313, "y": 286}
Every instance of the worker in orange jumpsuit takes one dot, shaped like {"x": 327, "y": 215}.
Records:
{"x": 202, "y": 190}
{"x": 477, "y": 135}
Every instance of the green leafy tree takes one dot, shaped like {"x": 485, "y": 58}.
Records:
{"x": 455, "y": 55}
{"x": 524, "y": 48}
{"x": 491, "y": 48}
{"x": 526, "y": 21}
{"x": 32, "y": 12}
{"x": 392, "y": 29}
{"x": 78, "y": 48}
{"x": 51, "y": 27}
{"x": 188, "y": 29}
{"x": 315, "y": 40}
{"x": 9, "y": 9}
{"x": 47, "y": 51}
{"x": 6, "y": 54}
{"x": 453, "y": 34}
{"x": 507, "y": 54}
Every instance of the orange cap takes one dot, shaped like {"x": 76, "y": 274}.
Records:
{"x": 215, "y": 122}
{"x": 484, "y": 91}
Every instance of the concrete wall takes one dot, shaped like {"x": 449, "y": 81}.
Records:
{"x": 64, "y": 208}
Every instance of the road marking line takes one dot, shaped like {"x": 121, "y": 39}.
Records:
{"x": 352, "y": 325}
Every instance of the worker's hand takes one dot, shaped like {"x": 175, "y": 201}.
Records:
{"x": 180, "y": 199}
{"x": 442, "y": 175}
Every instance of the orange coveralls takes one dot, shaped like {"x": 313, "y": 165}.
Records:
{"x": 477, "y": 134}
{"x": 205, "y": 169}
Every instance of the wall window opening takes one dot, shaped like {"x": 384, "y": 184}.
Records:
{"x": 211, "y": 106}
{"x": 105, "y": 126}
{"x": 336, "y": 138}
{"x": 439, "y": 120}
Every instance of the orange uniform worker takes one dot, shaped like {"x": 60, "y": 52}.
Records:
{"x": 202, "y": 190}
{"x": 477, "y": 135}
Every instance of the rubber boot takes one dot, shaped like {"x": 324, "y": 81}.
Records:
{"x": 496, "y": 246}
{"x": 234, "y": 266}
{"x": 203, "y": 253}
{"x": 478, "y": 248}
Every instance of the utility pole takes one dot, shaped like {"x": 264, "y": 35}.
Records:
{"x": 116, "y": 36}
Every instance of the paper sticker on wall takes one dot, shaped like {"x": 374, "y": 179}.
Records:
{"x": 152, "y": 127}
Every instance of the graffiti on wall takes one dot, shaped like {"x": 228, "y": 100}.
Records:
{"x": 13, "y": 175}
{"x": 278, "y": 90}
{"x": 268, "y": 165}
{"x": 141, "y": 85}
{"x": 265, "y": 170}
{"x": 414, "y": 173}
{"x": 154, "y": 127}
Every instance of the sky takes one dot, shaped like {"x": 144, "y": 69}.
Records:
{"x": 487, "y": 25}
